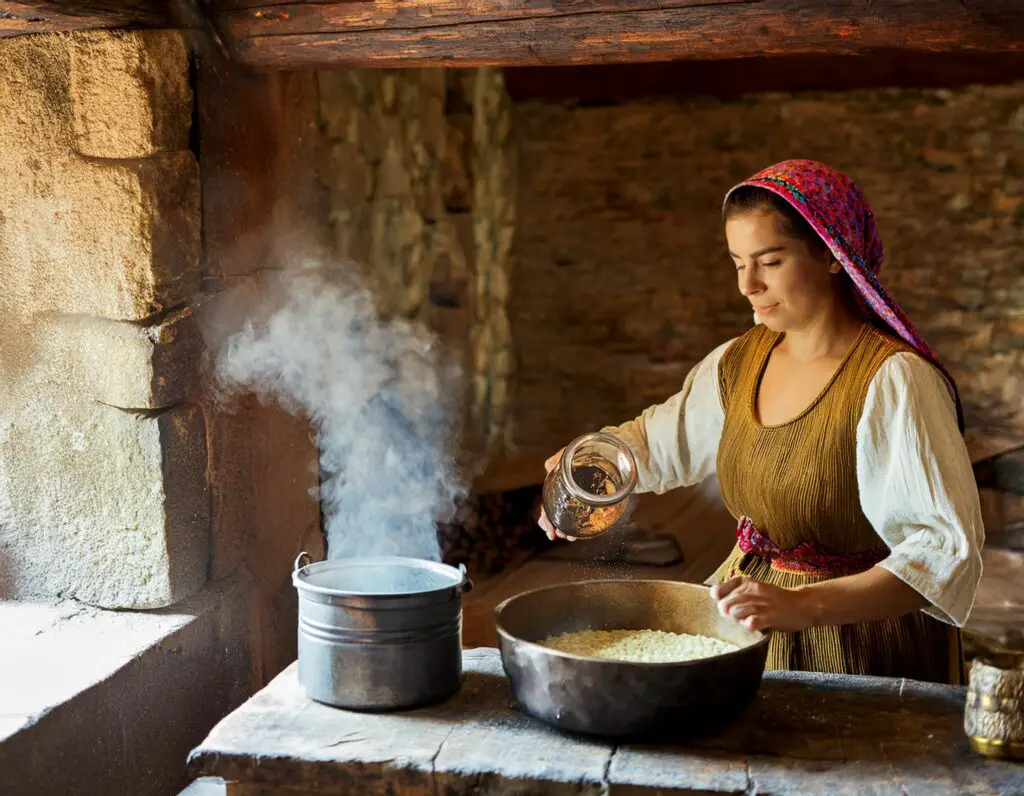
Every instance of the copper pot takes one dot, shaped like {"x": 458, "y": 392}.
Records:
{"x": 622, "y": 698}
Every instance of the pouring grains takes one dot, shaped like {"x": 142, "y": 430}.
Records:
{"x": 639, "y": 646}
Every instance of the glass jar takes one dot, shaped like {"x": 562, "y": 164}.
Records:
{"x": 588, "y": 491}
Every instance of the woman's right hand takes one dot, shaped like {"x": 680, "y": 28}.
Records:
{"x": 550, "y": 530}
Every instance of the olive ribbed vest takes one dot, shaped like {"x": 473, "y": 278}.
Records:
{"x": 797, "y": 482}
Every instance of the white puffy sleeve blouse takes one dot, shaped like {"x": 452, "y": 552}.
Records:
{"x": 911, "y": 461}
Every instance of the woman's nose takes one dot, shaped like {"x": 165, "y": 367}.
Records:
{"x": 748, "y": 281}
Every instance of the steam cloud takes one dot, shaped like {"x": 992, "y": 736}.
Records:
{"x": 383, "y": 395}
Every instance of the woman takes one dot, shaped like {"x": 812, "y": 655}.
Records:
{"x": 836, "y": 436}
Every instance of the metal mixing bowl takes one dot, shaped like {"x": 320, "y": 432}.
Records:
{"x": 618, "y": 698}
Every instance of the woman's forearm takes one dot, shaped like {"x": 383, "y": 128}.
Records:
{"x": 875, "y": 594}
{"x": 865, "y": 597}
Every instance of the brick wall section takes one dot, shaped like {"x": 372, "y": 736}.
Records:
{"x": 622, "y": 282}
{"x": 103, "y": 493}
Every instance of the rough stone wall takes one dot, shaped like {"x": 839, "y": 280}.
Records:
{"x": 622, "y": 282}
{"x": 420, "y": 168}
{"x": 495, "y": 190}
{"x": 103, "y": 493}
{"x": 386, "y": 138}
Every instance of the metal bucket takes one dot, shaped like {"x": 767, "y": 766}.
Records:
{"x": 379, "y": 633}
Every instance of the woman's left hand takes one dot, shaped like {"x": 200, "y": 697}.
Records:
{"x": 758, "y": 606}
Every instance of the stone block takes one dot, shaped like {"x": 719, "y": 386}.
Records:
{"x": 135, "y": 239}
{"x": 103, "y": 496}
{"x": 339, "y": 98}
{"x": 127, "y": 365}
{"x": 148, "y": 74}
{"x": 105, "y": 505}
{"x": 112, "y": 239}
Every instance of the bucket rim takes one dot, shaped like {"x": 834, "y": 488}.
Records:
{"x": 459, "y": 581}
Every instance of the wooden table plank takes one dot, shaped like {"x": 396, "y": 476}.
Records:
{"x": 282, "y": 738}
{"x": 496, "y": 742}
{"x": 805, "y": 733}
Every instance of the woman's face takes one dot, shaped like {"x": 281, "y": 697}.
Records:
{"x": 788, "y": 285}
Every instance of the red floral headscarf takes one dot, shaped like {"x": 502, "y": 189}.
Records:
{"x": 836, "y": 208}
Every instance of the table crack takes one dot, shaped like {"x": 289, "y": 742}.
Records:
{"x": 606, "y": 773}
{"x": 750, "y": 787}
{"x": 433, "y": 759}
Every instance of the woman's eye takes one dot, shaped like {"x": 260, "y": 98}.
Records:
{"x": 773, "y": 262}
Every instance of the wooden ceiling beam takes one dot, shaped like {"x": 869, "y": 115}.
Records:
{"x": 20, "y": 17}
{"x": 423, "y": 33}
{"x": 430, "y": 33}
{"x": 735, "y": 77}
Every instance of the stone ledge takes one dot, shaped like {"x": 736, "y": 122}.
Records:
{"x": 207, "y": 786}
{"x": 95, "y": 701}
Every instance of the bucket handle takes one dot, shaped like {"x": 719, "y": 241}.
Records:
{"x": 466, "y": 585}
{"x": 303, "y": 559}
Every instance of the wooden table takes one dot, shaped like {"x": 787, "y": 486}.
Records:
{"x": 805, "y": 734}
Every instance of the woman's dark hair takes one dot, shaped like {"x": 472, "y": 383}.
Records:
{"x": 749, "y": 198}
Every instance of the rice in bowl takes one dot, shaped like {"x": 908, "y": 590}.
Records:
{"x": 639, "y": 646}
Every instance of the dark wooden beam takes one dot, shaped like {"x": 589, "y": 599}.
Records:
{"x": 426, "y": 33}
{"x": 611, "y": 83}
{"x": 301, "y": 16}
{"x": 19, "y": 17}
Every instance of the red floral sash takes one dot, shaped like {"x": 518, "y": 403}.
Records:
{"x": 808, "y": 558}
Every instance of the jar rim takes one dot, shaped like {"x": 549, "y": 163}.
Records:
{"x": 1006, "y": 663}
{"x": 576, "y": 491}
